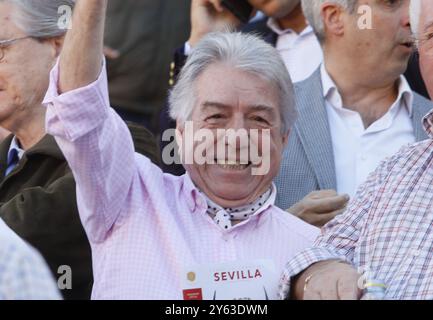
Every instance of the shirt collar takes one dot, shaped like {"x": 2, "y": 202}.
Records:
{"x": 196, "y": 200}
{"x": 14, "y": 150}
{"x": 273, "y": 25}
{"x": 331, "y": 94}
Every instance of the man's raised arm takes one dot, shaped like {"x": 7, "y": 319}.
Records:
{"x": 95, "y": 141}
{"x": 85, "y": 37}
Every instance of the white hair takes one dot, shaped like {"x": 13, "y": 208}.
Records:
{"x": 39, "y": 18}
{"x": 415, "y": 13}
{"x": 240, "y": 51}
{"x": 313, "y": 12}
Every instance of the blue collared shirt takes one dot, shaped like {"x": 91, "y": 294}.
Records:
{"x": 15, "y": 154}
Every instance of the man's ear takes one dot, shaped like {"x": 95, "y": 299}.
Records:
{"x": 333, "y": 19}
{"x": 286, "y": 138}
{"x": 180, "y": 128}
{"x": 57, "y": 45}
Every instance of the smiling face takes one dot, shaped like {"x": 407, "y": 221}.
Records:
{"x": 227, "y": 98}
{"x": 275, "y": 8}
{"x": 386, "y": 47}
{"x": 24, "y": 72}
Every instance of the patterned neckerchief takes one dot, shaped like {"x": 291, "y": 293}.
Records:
{"x": 224, "y": 217}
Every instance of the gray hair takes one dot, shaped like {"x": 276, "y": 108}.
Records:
{"x": 313, "y": 12}
{"x": 415, "y": 13}
{"x": 241, "y": 51}
{"x": 40, "y": 18}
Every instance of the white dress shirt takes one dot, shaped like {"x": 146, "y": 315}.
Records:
{"x": 358, "y": 151}
{"x": 301, "y": 52}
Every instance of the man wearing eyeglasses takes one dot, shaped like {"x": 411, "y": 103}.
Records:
{"x": 36, "y": 184}
{"x": 37, "y": 189}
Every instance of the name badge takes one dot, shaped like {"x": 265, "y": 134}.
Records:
{"x": 250, "y": 280}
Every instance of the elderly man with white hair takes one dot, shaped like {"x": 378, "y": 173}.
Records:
{"x": 384, "y": 240}
{"x": 213, "y": 233}
{"x": 37, "y": 188}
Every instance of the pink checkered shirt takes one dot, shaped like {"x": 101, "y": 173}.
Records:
{"x": 145, "y": 226}
{"x": 387, "y": 231}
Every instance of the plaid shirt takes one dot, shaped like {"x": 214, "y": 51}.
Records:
{"x": 23, "y": 273}
{"x": 387, "y": 231}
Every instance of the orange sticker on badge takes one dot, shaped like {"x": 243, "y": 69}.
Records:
{"x": 193, "y": 294}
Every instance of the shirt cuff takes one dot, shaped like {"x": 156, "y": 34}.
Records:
{"x": 74, "y": 114}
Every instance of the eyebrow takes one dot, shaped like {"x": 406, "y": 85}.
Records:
{"x": 219, "y": 105}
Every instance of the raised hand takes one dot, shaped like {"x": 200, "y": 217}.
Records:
{"x": 209, "y": 16}
{"x": 82, "y": 53}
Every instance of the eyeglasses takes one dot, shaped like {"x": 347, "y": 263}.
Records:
{"x": 6, "y": 43}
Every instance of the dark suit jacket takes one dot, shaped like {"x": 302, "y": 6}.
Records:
{"x": 38, "y": 202}
{"x": 260, "y": 28}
